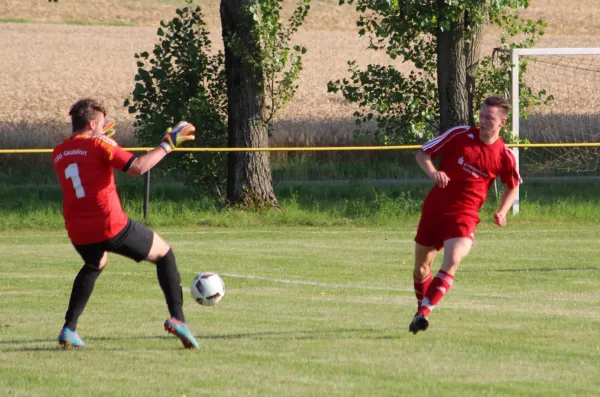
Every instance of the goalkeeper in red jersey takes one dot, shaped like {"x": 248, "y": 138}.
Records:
{"x": 471, "y": 158}
{"x": 95, "y": 221}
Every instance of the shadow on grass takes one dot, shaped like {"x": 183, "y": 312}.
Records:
{"x": 534, "y": 270}
{"x": 550, "y": 269}
{"x": 90, "y": 338}
{"x": 51, "y": 345}
{"x": 56, "y": 348}
{"x": 296, "y": 335}
{"x": 339, "y": 333}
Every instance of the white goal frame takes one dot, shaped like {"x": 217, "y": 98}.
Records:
{"x": 515, "y": 54}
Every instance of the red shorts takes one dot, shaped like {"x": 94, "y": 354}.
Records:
{"x": 434, "y": 230}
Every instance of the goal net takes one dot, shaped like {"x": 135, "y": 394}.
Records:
{"x": 568, "y": 114}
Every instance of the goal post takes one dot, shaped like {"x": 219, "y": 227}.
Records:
{"x": 571, "y": 76}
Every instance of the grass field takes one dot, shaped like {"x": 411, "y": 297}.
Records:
{"x": 319, "y": 297}
{"x": 311, "y": 311}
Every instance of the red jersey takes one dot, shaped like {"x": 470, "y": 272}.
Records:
{"x": 91, "y": 206}
{"x": 471, "y": 166}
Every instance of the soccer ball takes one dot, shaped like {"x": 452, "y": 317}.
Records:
{"x": 207, "y": 289}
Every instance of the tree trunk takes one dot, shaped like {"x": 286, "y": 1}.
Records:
{"x": 472, "y": 53}
{"x": 249, "y": 180}
{"x": 452, "y": 72}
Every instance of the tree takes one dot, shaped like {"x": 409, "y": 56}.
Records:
{"x": 248, "y": 173}
{"x": 261, "y": 74}
{"x": 182, "y": 80}
{"x": 441, "y": 39}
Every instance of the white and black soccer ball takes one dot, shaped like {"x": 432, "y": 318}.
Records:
{"x": 207, "y": 289}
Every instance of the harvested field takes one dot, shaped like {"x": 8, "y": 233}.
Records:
{"x": 81, "y": 48}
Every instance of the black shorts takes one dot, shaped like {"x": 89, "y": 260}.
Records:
{"x": 134, "y": 242}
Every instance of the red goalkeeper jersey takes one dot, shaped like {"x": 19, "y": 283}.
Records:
{"x": 91, "y": 206}
{"x": 471, "y": 166}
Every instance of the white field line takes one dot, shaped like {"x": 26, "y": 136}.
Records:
{"x": 299, "y": 282}
{"x": 375, "y": 288}
{"x": 382, "y": 231}
{"x": 259, "y": 278}
{"x": 361, "y": 287}
{"x": 315, "y": 283}
{"x": 32, "y": 277}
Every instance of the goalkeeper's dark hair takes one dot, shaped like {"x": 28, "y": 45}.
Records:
{"x": 497, "y": 102}
{"x": 84, "y": 111}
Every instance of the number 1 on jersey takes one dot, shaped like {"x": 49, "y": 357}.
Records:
{"x": 72, "y": 172}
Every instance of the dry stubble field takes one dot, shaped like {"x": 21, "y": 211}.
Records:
{"x": 54, "y": 53}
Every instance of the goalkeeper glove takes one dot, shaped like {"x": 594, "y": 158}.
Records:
{"x": 109, "y": 130}
{"x": 174, "y": 137}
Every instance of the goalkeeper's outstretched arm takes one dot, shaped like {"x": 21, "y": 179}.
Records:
{"x": 147, "y": 161}
{"x": 174, "y": 137}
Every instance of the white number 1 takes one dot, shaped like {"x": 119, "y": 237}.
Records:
{"x": 72, "y": 172}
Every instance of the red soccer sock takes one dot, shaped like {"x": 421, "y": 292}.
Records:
{"x": 421, "y": 286}
{"x": 440, "y": 285}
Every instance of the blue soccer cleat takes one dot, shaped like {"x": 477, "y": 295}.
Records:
{"x": 68, "y": 338}
{"x": 183, "y": 332}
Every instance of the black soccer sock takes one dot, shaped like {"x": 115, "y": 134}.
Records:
{"x": 170, "y": 282}
{"x": 80, "y": 294}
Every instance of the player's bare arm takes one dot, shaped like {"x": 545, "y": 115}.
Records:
{"x": 145, "y": 162}
{"x": 439, "y": 177}
{"x": 508, "y": 198}
{"x": 174, "y": 137}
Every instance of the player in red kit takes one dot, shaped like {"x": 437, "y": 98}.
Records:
{"x": 95, "y": 221}
{"x": 471, "y": 158}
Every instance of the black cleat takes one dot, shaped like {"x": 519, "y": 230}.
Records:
{"x": 418, "y": 323}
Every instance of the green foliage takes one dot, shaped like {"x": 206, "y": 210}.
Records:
{"x": 494, "y": 71}
{"x": 325, "y": 204}
{"x": 182, "y": 80}
{"x": 406, "y": 107}
{"x": 279, "y": 61}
